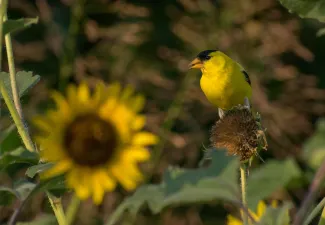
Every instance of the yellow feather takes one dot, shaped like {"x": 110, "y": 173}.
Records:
{"x": 223, "y": 81}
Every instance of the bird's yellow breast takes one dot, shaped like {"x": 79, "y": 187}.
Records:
{"x": 223, "y": 83}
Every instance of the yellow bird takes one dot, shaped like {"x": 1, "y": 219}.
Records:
{"x": 224, "y": 82}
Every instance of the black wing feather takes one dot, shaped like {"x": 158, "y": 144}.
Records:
{"x": 246, "y": 77}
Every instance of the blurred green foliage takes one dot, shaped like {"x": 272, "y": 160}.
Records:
{"x": 149, "y": 44}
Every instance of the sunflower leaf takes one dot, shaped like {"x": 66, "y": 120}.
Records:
{"x": 5, "y": 134}
{"x": 276, "y": 216}
{"x": 25, "y": 81}
{"x": 21, "y": 189}
{"x": 306, "y": 9}
{"x": 314, "y": 147}
{"x": 185, "y": 186}
{"x": 268, "y": 178}
{"x": 33, "y": 170}
{"x": 19, "y": 155}
{"x": 10, "y": 139}
{"x": 14, "y": 25}
{"x": 7, "y": 195}
{"x": 320, "y": 32}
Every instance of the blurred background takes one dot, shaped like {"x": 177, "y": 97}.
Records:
{"x": 149, "y": 44}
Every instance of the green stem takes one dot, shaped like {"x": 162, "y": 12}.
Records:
{"x": 243, "y": 174}
{"x": 66, "y": 63}
{"x": 14, "y": 114}
{"x": 313, "y": 191}
{"x": 322, "y": 218}
{"x": 3, "y": 10}
{"x": 315, "y": 211}
{"x": 73, "y": 209}
{"x": 12, "y": 72}
{"x": 57, "y": 208}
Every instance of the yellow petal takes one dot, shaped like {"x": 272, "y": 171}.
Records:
{"x": 233, "y": 220}
{"x": 107, "y": 182}
{"x": 59, "y": 168}
{"x": 261, "y": 207}
{"x": 114, "y": 89}
{"x": 135, "y": 154}
{"x": 98, "y": 190}
{"x": 274, "y": 203}
{"x": 63, "y": 112}
{"x": 78, "y": 180}
{"x": 138, "y": 123}
{"x": 43, "y": 124}
{"x": 99, "y": 95}
{"x": 137, "y": 103}
{"x": 144, "y": 139}
{"x": 83, "y": 93}
{"x": 72, "y": 94}
{"x": 127, "y": 182}
{"x": 126, "y": 93}
{"x": 55, "y": 153}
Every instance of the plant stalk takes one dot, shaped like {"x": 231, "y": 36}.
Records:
{"x": 311, "y": 195}
{"x": 72, "y": 209}
{"x": 57, "y": 208}
{"x": 243, "y": 182}
{"x": 12, "y": 72}
{"x": 14, "y": 114}
{"x": 3, "y": 10}
{"x": 315, "y": 211}
{"x": 322, "y": 218}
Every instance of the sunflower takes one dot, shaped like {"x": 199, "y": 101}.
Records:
{"x": 95, "y": 139}
{"x": 261, "y": 208}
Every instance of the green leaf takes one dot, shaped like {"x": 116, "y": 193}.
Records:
{"x": 21, "y": 190}
{"x": 25, "y": 81}
{"x": 10, "y": 139}
{"x": 7, "y": 195}
{"x": 24, "y": 188}
{"x": 14, "y": 25}
{"x": 33, "y": 170}
{"x": 314, "y": 147}
{"x": 5, "y": 134}
{"x": 219, "y": 181}
{"x": 270, "y": 177}
{"x": 306, "y": 9}
{"x": 47, "y": 219}
{"x": 19, "y": 155}
{"x": 320, "y": 32}
{"x": 276, "y": 216}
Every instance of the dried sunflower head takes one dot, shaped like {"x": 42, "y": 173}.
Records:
{"x": 238, "y": 132}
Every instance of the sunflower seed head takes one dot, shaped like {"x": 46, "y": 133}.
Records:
{"x": 238, "y": 132}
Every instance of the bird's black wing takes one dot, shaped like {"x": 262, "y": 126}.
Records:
{"x": 246, "y": 77}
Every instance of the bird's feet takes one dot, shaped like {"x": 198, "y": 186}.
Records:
{"x": 221, "y": 113}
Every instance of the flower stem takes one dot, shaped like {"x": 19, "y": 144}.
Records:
{"x": 14, "y": 114}
{"x": 57, "y": 208}
{"x": 311, "y": 195}
{"x": 315, "y": 212}
{"x": 12, "y": 72}
{"x": 3, "y": 10}
{"x": 72, "y": 209}
{"x": 322, "y": 218}
{"x": 243, "y": 174}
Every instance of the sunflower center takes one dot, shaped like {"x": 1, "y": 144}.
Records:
{"x": 90, "y": 140}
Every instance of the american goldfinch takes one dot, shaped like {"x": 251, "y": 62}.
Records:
{"x": 224, "y": 82}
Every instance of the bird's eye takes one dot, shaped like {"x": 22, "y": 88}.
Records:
{"x": 207, "y": 57}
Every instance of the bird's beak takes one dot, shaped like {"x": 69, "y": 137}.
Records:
{"x": 196, "y": 63}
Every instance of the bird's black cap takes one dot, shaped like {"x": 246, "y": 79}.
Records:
{"x": 204, "y": 55}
